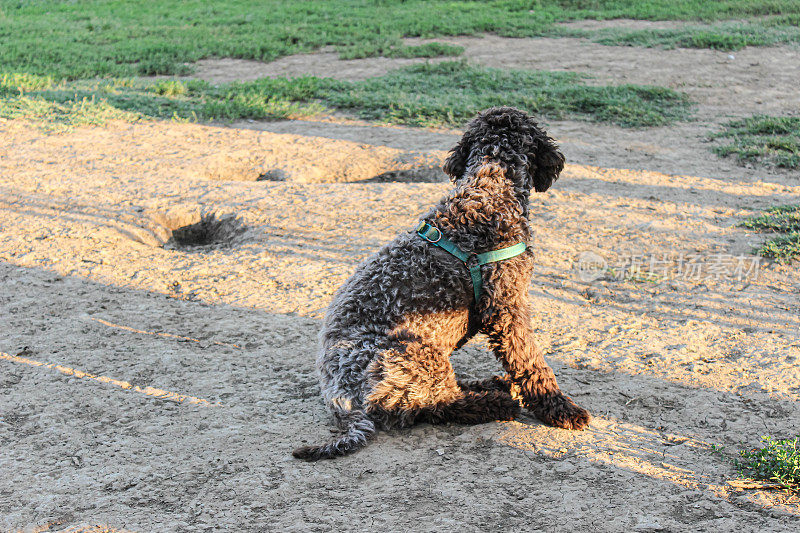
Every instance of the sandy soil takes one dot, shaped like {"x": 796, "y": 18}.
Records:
{"x": 148, "y": 386}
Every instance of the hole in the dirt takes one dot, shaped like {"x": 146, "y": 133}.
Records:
{"x": 209, "y": 230}
{"x": 320, "y": 163}
{"x": 412, "y": 175}
{"x": 273, "y": 174}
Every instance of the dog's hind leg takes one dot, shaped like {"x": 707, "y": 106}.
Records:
{"x": 473, "y": 407}
{"x": 417, "y": 383}
{"x": 408, "y": 379}
{"x": 494, "y": 383}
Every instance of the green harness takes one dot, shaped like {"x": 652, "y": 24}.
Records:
{"x": 434, "y": 236}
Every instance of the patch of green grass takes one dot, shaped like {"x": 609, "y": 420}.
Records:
{"x": 122, "y": 38}
{"x": 727, "y": 36}
{"x": 780, "y": 219}
{"x": 778, "y": 461}
{"x": 447, "y": 93}
{"x": 19, "y": 82}
{"x": 169, "y": 88}
{"x": 95, "y": 102}
{"x": 672, "y": 10}
{"x": 783, "y": 219}
{"x": 763, "y": 139}
{"x": 427, "y": 50}
{"x": 394, "y": 47}
{"x": 55, "y": 116}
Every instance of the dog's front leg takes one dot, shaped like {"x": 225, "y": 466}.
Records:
{"x": 511, "y": 337}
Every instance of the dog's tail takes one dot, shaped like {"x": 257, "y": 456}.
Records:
{"x": 357, "y": 429}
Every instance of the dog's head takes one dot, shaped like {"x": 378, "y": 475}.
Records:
{"x": 511, "y": 137}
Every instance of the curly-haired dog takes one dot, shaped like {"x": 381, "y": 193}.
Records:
{"x": 390, "y": 330}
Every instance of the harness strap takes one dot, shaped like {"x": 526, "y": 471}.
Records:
{"x": 433, "y": 235}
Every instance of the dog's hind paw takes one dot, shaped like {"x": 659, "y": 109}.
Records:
{"x": 494, "y": 383}
{"x": 507, "y": 408}
{"x": 560, "y": 411}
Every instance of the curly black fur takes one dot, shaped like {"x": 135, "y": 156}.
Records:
{"x": 388, "y": 334}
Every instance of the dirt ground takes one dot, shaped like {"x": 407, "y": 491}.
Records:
{"x": 150, "y": 386}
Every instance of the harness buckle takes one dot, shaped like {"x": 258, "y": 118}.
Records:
{"x": 438, "y": 236}
{"x": 424, "y": 230}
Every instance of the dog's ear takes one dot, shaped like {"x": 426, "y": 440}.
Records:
{"x": 456, "y": 163}
{"x": 548, "y": 163}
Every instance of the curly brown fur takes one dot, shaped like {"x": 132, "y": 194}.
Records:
{"x": 389, "y": 332}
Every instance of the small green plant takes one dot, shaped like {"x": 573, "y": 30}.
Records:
{"x": 777, "y": 461}
{"x": 779, "y": 219}
{"x": 763, "y": 139}
{"x": 643, "y": 277}
{"x": 783, "y": 248}
{"x": 783, "y": 219}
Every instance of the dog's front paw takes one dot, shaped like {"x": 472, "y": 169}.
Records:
{"x": 560, "y": 411}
